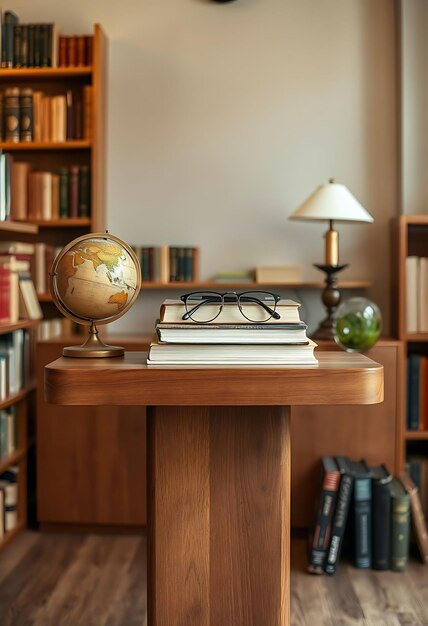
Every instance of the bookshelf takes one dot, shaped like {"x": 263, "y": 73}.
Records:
{"x": 50, "y": 156}
{"x": 409, "y": 238}
{"x": 21, "y": 400}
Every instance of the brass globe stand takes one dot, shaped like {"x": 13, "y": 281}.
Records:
{"x": 93, "y": 347}
{"x": 331, "y": 300}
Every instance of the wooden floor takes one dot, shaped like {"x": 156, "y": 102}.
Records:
{"x": 96, "y": 580}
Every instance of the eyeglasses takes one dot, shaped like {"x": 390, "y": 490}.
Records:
{"x": 203, "y": 307}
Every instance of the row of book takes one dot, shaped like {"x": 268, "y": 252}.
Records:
{"x": 166, "y": 264}
{"x": 416, "y": 294}
{"x": 14, "y": 362}
{"x": 417, "y": 398}
{"x": 40, "y": 45}
{"x": 8, "y": 500}
{"x": 18, "y": 267}
{"x": 55, "y": 327}
{"x": 8, "y": 431}
{"x": 371, "y": 510}
{"x": 28, "y": 115}
{"x": 205, "y": 329}
{"x": 43, "y": 195}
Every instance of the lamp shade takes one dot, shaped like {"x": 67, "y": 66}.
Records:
{"x": 332, "y": 202}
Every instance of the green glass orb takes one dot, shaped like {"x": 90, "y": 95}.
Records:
{"x": 358, "y": 324}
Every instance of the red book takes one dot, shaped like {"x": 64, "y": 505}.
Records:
{"x": 320, "y": 539}
{"x": 80, "y": 44}
{"x": 62, "y": 51}
{"x": 4, "y": 294}
{"x": 89, "y": 49}
{"x": 71, "y": 51}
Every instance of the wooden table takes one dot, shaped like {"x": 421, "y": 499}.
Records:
{"x": 218, "y": 473}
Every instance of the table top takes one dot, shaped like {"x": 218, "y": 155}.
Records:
{"x": 339, "y": 378}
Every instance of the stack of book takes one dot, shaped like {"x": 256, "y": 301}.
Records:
{"x": 230, "y": 339}
{"x": 18, "y": 298}
{"x": 8, "y": 431}
{"x": 8, "y": 500}
{"x": 368, "y": 506}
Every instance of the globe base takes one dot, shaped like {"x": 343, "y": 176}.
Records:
{"x": 93, "y": 347}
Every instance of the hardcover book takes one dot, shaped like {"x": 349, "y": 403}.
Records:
{"x": 381, "y": 498}
{"x": 400, "y": 526}
{"x": 320, "y": 537}
{"x": 287, "y": 334}
{"x": 233, "y": 354}
{"x": 417, "y": 515}
{"x": 341, "y": 513}
{"x": 173, "y": 311}
{"x": 362, "y": 514}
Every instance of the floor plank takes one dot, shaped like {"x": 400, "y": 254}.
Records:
{"x": 100, "y": 580}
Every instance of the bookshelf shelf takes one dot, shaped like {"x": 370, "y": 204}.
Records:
{"x": 417, "y": 337}
{"x": 11, "y": 459}
{"x": 215, "y": 286}
{"x": 9, "y": 328}
{"x": 44, "y": 72}
{"x": 82, "y": 144}
{"x": 63, "y": 223}
{"x": 416, "y": 435}
{"x": 17, "y": 397}
{"x": 20, "y": 228}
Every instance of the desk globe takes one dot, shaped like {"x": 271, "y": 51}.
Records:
{"x": 95, "y": 279}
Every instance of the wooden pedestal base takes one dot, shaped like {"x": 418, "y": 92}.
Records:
{"x": 219, "y": 516}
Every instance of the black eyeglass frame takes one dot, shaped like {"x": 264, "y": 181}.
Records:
{"x": 233, "y": 296}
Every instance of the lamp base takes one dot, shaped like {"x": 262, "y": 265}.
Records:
{"x": 331, "y": 299}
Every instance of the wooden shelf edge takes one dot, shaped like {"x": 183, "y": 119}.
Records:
{"x": 18, "y": 227}
{"x": 17, "y": 397}
{"x": 62, "y": 223}
{"x": 44, "y": 297}
{"x": 416, "y": 337}
{"x": 346, "y": 284}
{"x": 414, "y": 220}
{"x": 11, "y": 534}
{"x": 9, "y": 328}
{"x": 11, "y": 459}
{"x": 45, "y": 72}
{"x": 47, "y": 145}
{"x": 416, "y": 435}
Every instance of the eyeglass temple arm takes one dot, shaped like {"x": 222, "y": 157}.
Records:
{"x": 267, "y": 308}
{"x": 195, "y": 308}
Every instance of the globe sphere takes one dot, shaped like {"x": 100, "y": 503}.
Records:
{"x": 358, "y": 324}
{"x": 95, "y": 278}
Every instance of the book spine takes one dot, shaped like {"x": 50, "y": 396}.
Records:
{"x": 2, "y": 136}
{"x": 188, "y": 264}
{"x": 24, "y": 45}
{"x": 89, "y": 49}
{"x": 413, "y": 420}
{"x": 362, "y": 499}
{"x": 31, "y": 56}
{"x": 49, "y": 50}
{"x": 37, "y": 45}
{"x": 26, "y": 115}
{"x": 87, "y": 112}
{"x": 172, "y": 264}
{"x": 84, "y": 191}
{"x": 8, "y": 37}
{"x": 400, "y": 533}
{"x": 71, "y": 51}
{"x": 74, "y": 191}
{"x": 321, "y": 538}
{"x": 62, "y": 51}
{"x": 69, "y": 115}
{"x": 17, "y": 42}
{"x": 63, "y": 192}
{"x": 381, "y": 525}
{"x": 80, "y": 53}
{"x": 11, "y": 111}
{"x": 339, "y": 523}
{"x": 44, "y": 45}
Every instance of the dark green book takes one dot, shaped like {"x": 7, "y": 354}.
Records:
{"x": 17, "y": 43}
{"x": 11, "y": 114}
{"x": 10, "y": 20}
{"x": 26, "y": 114}
{"x": 64, "y": 192}
{"x": 24, "y": 45}
{"x": 381, "y": 513}
{"x": 84, "y": 191}
{"x": 400, "y": 526}
{"x": 341, "y": 512}
{"x": 31, "y": 36}
{"x": 362, "y": 513}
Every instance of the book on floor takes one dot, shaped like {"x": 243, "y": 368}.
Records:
{"x": 400, "y": 526}
{"x": 319, "y": 538}
{"x": 362, "y": 513}
{"x": 381, "y": 517}
{"x": 341, "y": 513}
{"x": 230, "y": 354}
{"x": 417, "y": 515}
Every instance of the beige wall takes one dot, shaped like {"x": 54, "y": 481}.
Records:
{"x": 223, "y": 118}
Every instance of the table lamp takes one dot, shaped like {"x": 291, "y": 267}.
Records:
{"x": 331, "y": 202}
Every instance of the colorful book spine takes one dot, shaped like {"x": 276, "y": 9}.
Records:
{"x": 341, "y": 512}
{"x": 320, "y": 539}
{"x": 381, "y": 498}
{"x": 26, "y": 115}
{"x": 400, "y": 526}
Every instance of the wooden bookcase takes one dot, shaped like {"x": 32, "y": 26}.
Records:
{"x": 409, "y": 238}
{"x": 50, "y": 156}
{"x": 23, "y": 400}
